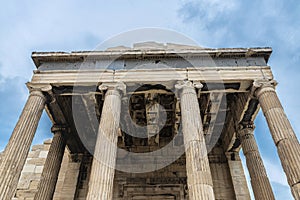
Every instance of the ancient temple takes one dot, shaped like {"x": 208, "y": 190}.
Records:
{"x": 155, "y": 121}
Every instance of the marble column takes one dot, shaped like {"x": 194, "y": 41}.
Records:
{"x": 19, "y": 144}
{"x": 282, "y": 132}
{"x": 104, "y": 161}
{"x": 259, "y": 180}
{"x": 199, "y": 178}
{"x": 52, "y": 165}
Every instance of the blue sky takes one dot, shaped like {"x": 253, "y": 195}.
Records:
{"x": 78, "y": 25}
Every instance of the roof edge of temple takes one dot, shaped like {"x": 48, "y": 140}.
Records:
{"x": 127, "y": 53}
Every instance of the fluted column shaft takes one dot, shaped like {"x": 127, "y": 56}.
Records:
{"x": 198, "y": 171}
{"x": 19, "y": 144}
{"x": 103, "y": 166}
{"x": 52, "y": 165}
{"x": 259, "y": 180}
{"x": 282, "y": 132}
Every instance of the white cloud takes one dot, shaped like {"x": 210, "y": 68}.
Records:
{"x": 67, "y": 25}
{"x": 256, "y": 23}
{"x": 64, "y": 26}
{"x": 207, "y": 11}
{"x": 275, "y": 173}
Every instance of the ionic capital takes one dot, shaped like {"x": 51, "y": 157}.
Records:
{"x": 245, "y": 130}
{"x": 261, "y": 86}
{"x": 40, "y": 90}
{"x": 117, "y": 86}
{"x": 187, "y": 86}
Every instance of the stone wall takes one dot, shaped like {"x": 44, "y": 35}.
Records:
{"x": 66, "y": 187}
{"x": 32, "y": 171}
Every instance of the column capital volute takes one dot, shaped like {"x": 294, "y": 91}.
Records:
{"x": 188, "y": 84}
{"x": 261, "y": 86}
{"x": 245, "y": 129}
{"x": 59, "y": 128}
{"x": 116, "y": 86}
{"x": 40, "y": 90}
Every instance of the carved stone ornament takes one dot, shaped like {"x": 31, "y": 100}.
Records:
{"x": 113, "y": 86}
{"x": 189, "y": 84}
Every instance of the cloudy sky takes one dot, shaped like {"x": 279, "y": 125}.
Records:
{"x": 78, "y": 25}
